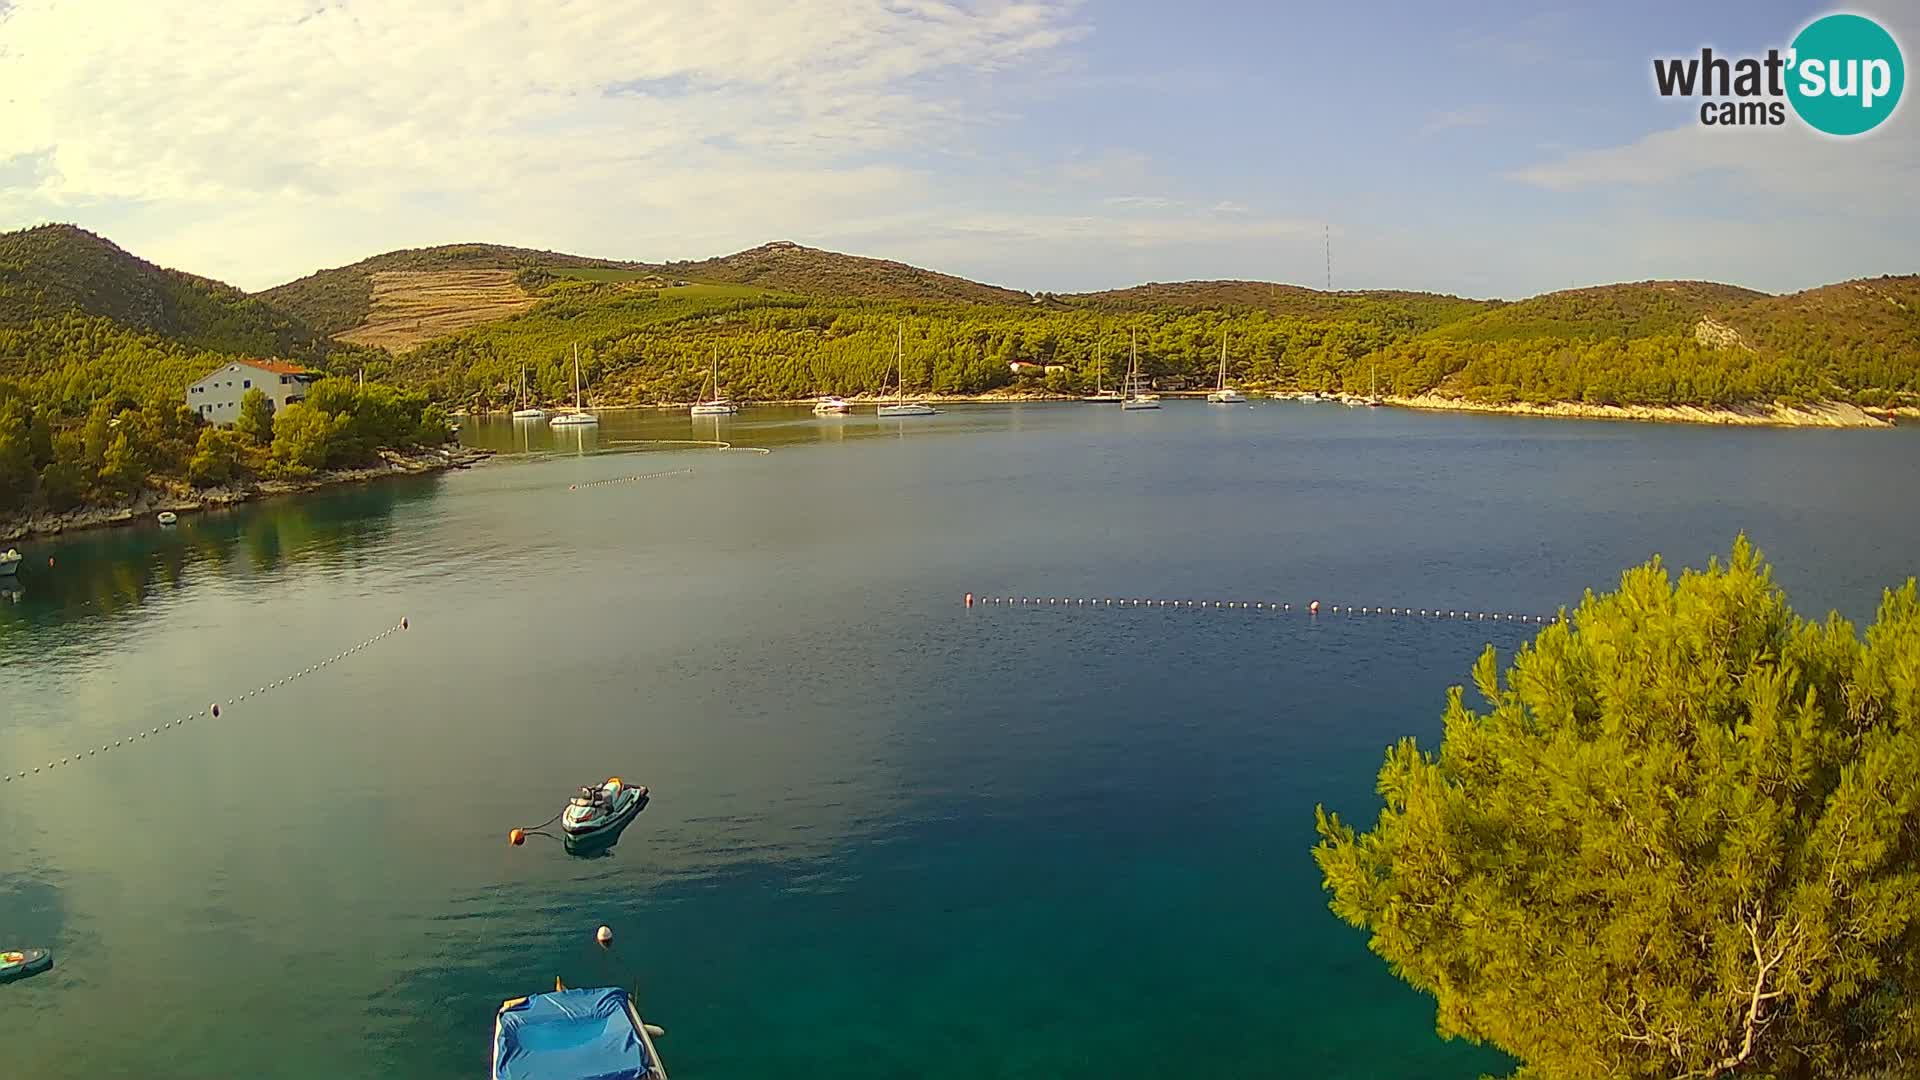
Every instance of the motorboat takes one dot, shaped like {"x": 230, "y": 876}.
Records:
{"x": 168, "y": 517}
{"x": 602, "y": 809}
{"x": 10, "y": 560}
{"x": 22, "y": 963}
{"x": 832, "y": 406}
{"x": 581, "y": 1034}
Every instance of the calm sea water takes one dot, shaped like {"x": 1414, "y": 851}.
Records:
{"x": 890, "y": 837}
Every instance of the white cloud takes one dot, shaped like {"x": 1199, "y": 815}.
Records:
{"x": 258, "y": 138}
{"x": 1139, "y": 202}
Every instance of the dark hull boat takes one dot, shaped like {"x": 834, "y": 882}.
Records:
{"x": 20, "y": 963}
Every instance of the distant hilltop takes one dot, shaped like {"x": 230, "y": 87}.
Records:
{"x": 459, "y": 320}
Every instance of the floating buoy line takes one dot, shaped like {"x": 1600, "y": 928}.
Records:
{"x": 212, "y": 711}
{"x": 714, "y": 443}
{"x": 630, "y": 479}
{"x": 1271, "y": 607}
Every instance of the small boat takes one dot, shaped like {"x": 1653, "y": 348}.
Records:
{"x": 587, "y": 1034}
{"x": 579, "y": 416}
{"x": 832, "y": 406}
{"x": 524, "y": 410}
{"x": 10, "y": 561}
{"x": 1100, "y": 391}
{"x": 168, "y": 517}
{"x": 1224, "y": 395}
{"x": 1373, "y": 390}
{"x": 22, "y": 963}
{"x": 903, "y": 407}
{"x": 602, "y": 809}
{"x": 717, "y": 405}
{"x": 1137, "y": 397}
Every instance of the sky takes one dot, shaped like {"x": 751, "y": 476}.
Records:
{"x": 1500, "y": 149}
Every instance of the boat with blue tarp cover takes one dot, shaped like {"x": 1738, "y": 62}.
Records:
{"x": 592, "y": 1034}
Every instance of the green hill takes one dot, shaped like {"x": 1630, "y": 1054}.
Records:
{"x": 1640, "y": 309}
{"x": 339, "y": 300}
{"x": 57, "y": 271}
{"x": 788, "y": 267}
{"x": 1424, "y": 310}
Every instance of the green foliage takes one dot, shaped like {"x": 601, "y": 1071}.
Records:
{"x": 218, "y": 458}
{"x": 17, "y": 471}
{"x": 436, "y": 428}
{"x": 1681, "y": 842}
{"x": 255, "y": 421}
{"x": 303, "y": 435}
{"x": 66, "y": 479}
{"x": 1645, "y": 309}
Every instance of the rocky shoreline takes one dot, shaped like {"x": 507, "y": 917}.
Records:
{"x": 1824, "y": 414}
{"x": 145, "y": 505}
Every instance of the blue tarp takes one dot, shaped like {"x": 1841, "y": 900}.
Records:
{"x": 569, "y": 1035}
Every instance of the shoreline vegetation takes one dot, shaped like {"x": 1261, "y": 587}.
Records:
{"x": 1822, "y": 414}
{"x": 184, "y": 499}
{"x": 98, "y": 346}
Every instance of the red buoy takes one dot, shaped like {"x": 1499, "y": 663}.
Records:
{"x": 969, "y": 599}
{"x": 517, "y": 837}
{"x": 604, "y": 936}
{"x": 1314, "y": 607}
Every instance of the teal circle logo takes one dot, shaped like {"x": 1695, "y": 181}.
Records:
{"x": 1846, "y": 74}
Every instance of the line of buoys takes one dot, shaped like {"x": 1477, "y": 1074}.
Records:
{"x": 1312, "y": 607}
{"x": 629, "y": 479}
{"x": 212, "y": 710}
{"x": 715, "y": 443}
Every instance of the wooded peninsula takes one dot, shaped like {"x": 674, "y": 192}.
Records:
{"x": 97, "y": 347}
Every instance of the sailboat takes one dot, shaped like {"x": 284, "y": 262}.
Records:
{"x": 903, "y": 407}
{"x": 1373, "y": 390}
{"x": 523, "y": 410}
{"x": 579, "y": 417}
{"x": 716, "y": 405}
{"x": 1100, "y": 391}
{"x": 1137, "y": 398}
{"x": 1222, "y": 395}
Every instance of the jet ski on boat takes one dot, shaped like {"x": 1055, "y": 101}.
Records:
{"x": 20, "y": 963}
{"x": 603, "y": 809}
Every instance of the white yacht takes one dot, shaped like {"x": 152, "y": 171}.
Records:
{"x": 1223, "y": 395}
{"x": 717, "y": 405}
{"x": 1100, "y": 391}
{"x": 832, "y": 405}
{"x": 1137, "y": 397}
{"x": 903, "y": 407}
{"x": 523, "y": 410}
{"x": 579, "y": 417}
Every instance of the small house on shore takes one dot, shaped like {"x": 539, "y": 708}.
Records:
{"x": 216, "y": 398}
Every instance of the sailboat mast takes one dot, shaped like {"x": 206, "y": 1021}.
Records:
{"x": 576, "y": 377}
{"x": 1223, "y": 359}
{"x": 900, "y": 359}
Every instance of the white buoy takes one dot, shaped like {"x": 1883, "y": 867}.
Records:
{"x": 604, "y": 936}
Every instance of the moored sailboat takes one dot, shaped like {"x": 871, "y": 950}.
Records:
{"x": 903, "y": 407}
{"x": 1137, "y": 397}
{"x": 579, "y": 416}
{"x": 1223, "y": 395}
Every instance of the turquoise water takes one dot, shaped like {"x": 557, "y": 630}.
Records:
{"x": 890, "y": 837}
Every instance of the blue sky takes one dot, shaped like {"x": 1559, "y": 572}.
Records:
{"x": 1498, "y": 150}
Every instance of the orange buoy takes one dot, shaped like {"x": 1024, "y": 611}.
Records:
{"x": 1314, "y": 608}
{"x": 969, "y": 599}
{"x": 517, "y": 837}
{"x": 604, "y": 936}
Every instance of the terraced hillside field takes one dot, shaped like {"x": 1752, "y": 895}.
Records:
{"x": 411, "y": 306}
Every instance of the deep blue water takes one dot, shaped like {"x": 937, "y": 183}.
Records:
{"x": 891, "y": 837}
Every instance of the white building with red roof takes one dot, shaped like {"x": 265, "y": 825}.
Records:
{"x": 217, "y": 396}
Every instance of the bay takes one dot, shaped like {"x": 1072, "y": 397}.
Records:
{"x": 891, "y": 836}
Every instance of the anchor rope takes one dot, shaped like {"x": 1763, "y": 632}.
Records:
{"x": 212, "y": 710}
{"x": 1273, "y": 607}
